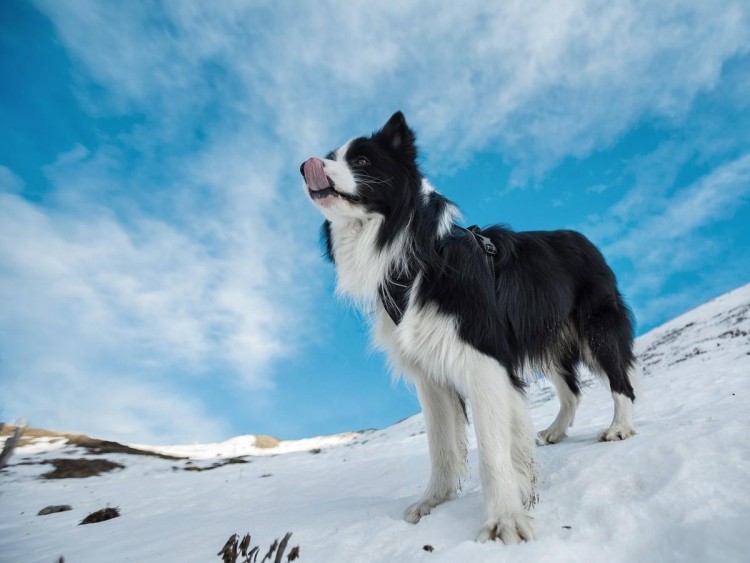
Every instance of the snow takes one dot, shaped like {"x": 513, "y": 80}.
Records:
{"x": 677, "y": 491}
{"x": 246, "y": 445}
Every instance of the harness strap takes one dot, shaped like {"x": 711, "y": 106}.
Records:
{"x": 486, "y": 244}
{"x": 394, "y": 294}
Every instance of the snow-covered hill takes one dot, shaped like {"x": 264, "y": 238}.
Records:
{"x": 678, "y": 491}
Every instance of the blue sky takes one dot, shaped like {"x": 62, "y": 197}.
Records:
{"x": 160, "y": 274}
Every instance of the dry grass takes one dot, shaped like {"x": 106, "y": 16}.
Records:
{"x": 235, "y": 548}
{"x": 14, "y": 438}
{"x": 79, "y": 468}
{"x": 101, "y": 515}
{"x": 266, "y": 441}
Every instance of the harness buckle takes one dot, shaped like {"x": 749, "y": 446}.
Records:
{"x": 487, "y": 245}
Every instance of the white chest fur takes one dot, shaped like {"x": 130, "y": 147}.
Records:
{"x": 361, "y": 268}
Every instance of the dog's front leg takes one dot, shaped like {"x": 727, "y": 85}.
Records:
{"x": 497, "y": 406}
{"x": 445, "y": 420}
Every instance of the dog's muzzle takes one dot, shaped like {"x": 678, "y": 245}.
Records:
{"x": 314, "y": 174}
{"x": 319, "y": 185}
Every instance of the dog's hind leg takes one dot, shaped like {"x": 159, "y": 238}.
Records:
{"x": 445, "y": 419}
{"x": 505, "y": 467}
{"x": 622, "y": 421}
{"x": 568, "y": 393}
{"x": 608, "y": 334}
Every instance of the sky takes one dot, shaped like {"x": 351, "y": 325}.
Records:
{"x": 161, "y": 278}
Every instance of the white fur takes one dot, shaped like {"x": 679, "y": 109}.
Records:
{"x": 622, "y": 422}
{"x": 506, "y": 453}
{"x": 338, "y": 209}
{"x": 427, "y": 189}
{"x": 427, "y": 348}
{"x": 568, "y": 405}
{"x": 445, "y": 421}
{"x": 360, "y": 267}
{"x": 338, "y": 171}
{"x": 451, "y": 214}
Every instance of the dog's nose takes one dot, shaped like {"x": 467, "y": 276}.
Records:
{"x": 310, "y": 164}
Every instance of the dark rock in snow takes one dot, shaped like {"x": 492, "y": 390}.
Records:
{"x": 51, "y": 509}
{"x": 101, "y": 515}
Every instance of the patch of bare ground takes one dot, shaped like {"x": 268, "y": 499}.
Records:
{"x": 79, "y": 468}
{"x": 92, "y": 445}
{"x": 54, "y": 508}
{"x": 266, "y": 441}
{"x": 230, "y": 461}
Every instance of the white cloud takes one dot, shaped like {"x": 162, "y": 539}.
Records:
{"x": 183, "y": 252}
{"x": 660, "y": 233}
{"x": 103, "y": 303}
{"x": 535, "y": 81}
{"x": 597, "y": 188}
{"x": 711, "y": 198}
{"x": 119, "y": 290}
{"x": 9, "y": 182}
{"x": 116, "y": 407}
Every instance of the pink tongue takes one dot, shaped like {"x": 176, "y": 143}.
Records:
{"x": 315, "y": 176}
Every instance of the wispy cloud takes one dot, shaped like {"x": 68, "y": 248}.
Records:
{"x": 116, "y": 406}
{"x": 166, "y": 247}
{"x": 105, "y": 296}
{"x": 534, "y": 81}
{"x": 10, "y": 182}
{"x": 710, "y": 198}
{"x": 661, "y": 234}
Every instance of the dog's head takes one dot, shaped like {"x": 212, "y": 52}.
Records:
{"x": 368, "y": 176}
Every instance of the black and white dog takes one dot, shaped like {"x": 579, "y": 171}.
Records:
{"x": 464, "y": 313}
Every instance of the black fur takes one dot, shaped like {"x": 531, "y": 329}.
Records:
{"x": 553, "y": 300}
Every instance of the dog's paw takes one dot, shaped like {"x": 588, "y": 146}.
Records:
{"x": 550, "y": 436}
{"x": 512, "y": 528}
{"x": 616, "y": 433}
{"x": 414, "y": 513}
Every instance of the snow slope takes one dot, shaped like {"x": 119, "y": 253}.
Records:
{"x": 677, "y": 491}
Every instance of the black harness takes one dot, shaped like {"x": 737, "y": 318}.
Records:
{"x": 490, "y": 250}
{"x": 394, "y": 294}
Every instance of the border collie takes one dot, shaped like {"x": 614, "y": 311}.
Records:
{"x": 464, "y": 313}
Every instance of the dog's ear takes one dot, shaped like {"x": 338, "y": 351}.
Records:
{"x": 398, "y": 136}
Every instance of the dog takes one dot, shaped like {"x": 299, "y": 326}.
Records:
{"x": 465, "y": 313}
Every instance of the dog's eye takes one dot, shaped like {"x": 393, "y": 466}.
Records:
{"x": 361, "y": 161}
